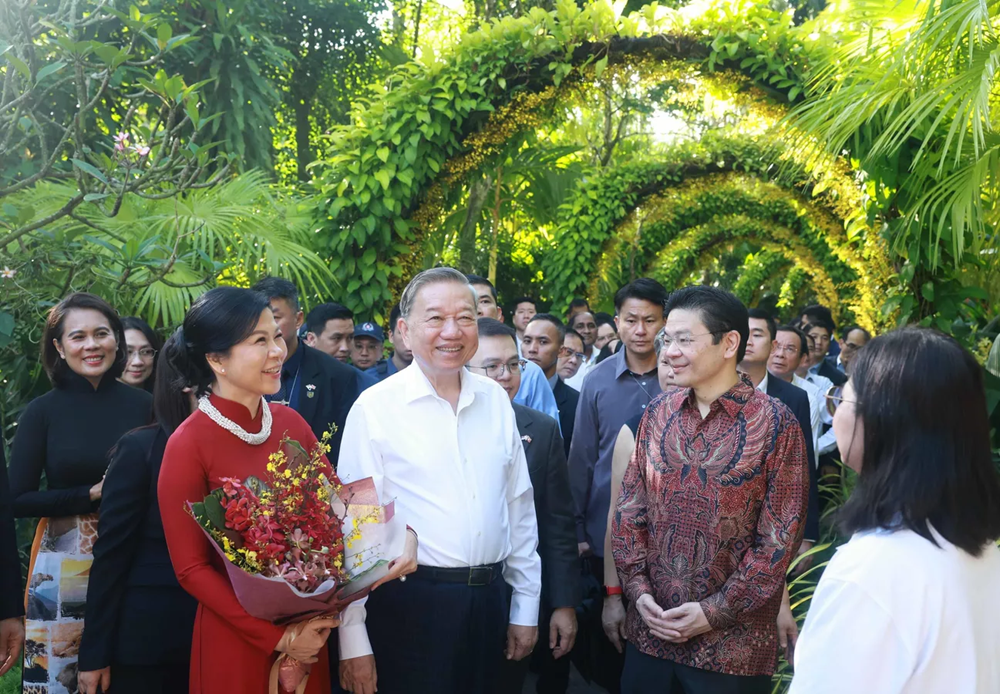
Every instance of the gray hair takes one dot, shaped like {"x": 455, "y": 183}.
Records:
{"x": 658, "y": 341}
{"x": 435, "y": 275}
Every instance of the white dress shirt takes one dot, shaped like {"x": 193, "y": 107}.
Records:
{"x": 894, "y": 614}
{"x": 459, "y": 479}
{"x": 827, "y": 441}
{"x": 817, "y": 403}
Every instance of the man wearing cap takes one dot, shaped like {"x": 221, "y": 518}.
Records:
{"x": 401, "y": 357}
{"x": 366, "y": 347}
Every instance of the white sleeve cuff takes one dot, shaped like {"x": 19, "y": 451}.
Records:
{"x": 352, "y": 633}
{"x": 524, "y": 610}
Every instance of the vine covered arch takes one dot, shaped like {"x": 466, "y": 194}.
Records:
{"x": 643, "y": 211}
{"x": 388, "y": 175}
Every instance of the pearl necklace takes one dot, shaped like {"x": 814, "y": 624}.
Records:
{"x": 206, "y": 406}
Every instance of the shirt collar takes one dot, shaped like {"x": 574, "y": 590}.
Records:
{"x": 621, "y": 366}
{"x": 762, "y": 386}
{"x": 419, "y": 386}
{"x": 554, "y": 380}
{"x": 732, "y": 401}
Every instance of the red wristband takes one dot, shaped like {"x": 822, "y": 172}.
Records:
{"x": 612, "y": 590}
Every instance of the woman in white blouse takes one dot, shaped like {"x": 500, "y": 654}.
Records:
{"x": 911, "y": 603}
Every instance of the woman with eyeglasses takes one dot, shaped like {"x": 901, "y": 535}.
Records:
{"x": 910, "y": 603}
{"x": 142, "y": 345}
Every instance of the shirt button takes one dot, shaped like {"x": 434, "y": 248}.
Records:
{"x": 643, "y": 383}
{"x": 643, "y": 407}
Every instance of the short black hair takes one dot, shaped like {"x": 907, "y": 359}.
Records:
{"x": 393, "y": 317}
{"x": 477, "y": 279}
{"x": 803, "y": 338}
{"x": 523, "y": 300}
{"x": 55, "y": 366}
{"x": 318, "y": 318}
{"x": 846, "y": 332}
{"x": 720, "y": 311}
{"x": 602, "y": 318}
{"x": 926, "y": 461}
{"x": 579, "y": 302}
{"x": 761, "y": 314}
{"x": 820, "y": 316}
{"x": 549, "y": 318}
{"x": 491, "y": 327}
{"x": 570, "y": 331}
{"x": 643, "y": 288}
{"x": 278, "y": 288}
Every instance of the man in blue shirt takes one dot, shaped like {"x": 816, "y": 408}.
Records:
{"x": 535, "y": 391}
{"x": 401, "y": 354}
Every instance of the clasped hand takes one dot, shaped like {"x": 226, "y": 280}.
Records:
{"x": 676, "y": 625}
{"x": 304, "y": 640}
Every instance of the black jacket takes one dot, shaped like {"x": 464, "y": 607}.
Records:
{"x": 797, "y": 401}
{"x": 567, "y": 398}
{"x": 829, "y": 369}
{"x": 543, "y": 447}
{"x": 137, "y": 612}
{"x": 327, "y": 392}
{"x": 11, "y": 592}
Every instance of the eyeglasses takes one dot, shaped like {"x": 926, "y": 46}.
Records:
{"x": 683, "y": 342}
{"x": 497, "y": 370}
{"x": 834, "y": 399}
{"x": 790, "y": 350}
{"x": 146, "y": 353}
{"x": 567, "y": 353}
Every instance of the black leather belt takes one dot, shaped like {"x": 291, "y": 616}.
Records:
{"x": 470, "y": 576}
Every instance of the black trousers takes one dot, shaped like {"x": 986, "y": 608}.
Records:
{"x": 602, "y": 663}
{"x": 645, "y": 674}
{"x": 434, "y": 637}
{"x": 149, "y": 679}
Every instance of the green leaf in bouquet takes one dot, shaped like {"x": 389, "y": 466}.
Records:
{"x": 256, "y": 485}
{"x": 198, "y": 511}
{"x": 214, "y": 511}
{"x": 297, "y": 455}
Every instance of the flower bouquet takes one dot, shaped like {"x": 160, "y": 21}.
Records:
{"x": 299, "y": 544}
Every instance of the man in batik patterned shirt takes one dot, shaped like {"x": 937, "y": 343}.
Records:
{"x": 710, "y": 513}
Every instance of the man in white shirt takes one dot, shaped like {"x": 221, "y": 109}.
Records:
{"x": 584, "y": 324}
{"x": 443, "y": 443}
{"x": 791, "y": 349}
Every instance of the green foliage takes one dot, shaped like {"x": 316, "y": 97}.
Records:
{"x": 402, "y": 137}
{"x": 757, "y": 270}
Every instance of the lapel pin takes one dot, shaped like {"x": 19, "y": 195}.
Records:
{"x": 310, "y": 390}
{"x": 526, "y": 438}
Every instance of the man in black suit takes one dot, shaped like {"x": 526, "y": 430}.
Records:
{"x": 11, "y": 593}
{"x": 498, "y": 359}
{"x": 763, "y": 331}
{"x": 542, "y": 343}
{"x": 314, "y": 384}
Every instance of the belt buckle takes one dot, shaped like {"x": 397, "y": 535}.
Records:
{"x": 480, "y": 576}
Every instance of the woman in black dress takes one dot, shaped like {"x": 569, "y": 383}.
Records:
{"x": 66, "y": 435}
{"x": 139, "y": 619}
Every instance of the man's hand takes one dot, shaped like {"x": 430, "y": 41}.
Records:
{"x": 613, "y": 621}
{"x": 404, "y": 564}
{"x": 562, "y": 631}
{"x": 653, "y": 616}
{"x": 11, "y": 640}
{"x": 358, "y": 675}
{"x": 520, "y": 641}
{"x": 688, "y": 620}
{"x": 94, "y": 681}
{"x": 583, "y": 548}
{"x": 788, "y": 630}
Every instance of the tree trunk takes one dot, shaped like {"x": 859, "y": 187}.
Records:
{"x": 416, "y": 27}
{"x": 467, "y": 234}
{"x": 495, "y": 231}
{"x": 303, "y": 149}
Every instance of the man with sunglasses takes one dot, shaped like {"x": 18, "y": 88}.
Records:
{"x": 542, "y": 344}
